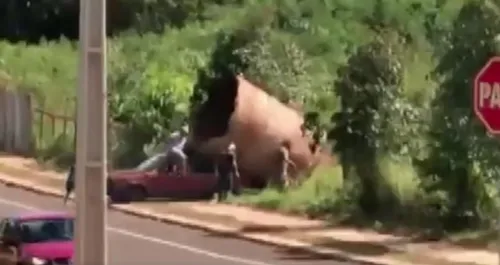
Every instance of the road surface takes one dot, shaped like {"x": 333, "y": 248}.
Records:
{"x": 133, "y": 240}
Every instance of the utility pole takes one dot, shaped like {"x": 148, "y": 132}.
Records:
{"x": 91, "y": 151}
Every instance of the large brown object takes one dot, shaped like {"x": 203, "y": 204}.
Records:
{"x": 257, "y": 124}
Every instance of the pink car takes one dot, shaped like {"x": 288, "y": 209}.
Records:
{"x": 41, "y": 238}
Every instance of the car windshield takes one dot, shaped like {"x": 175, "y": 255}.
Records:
{"x": 46, "y": 230}
{"x": 151, "y": 163}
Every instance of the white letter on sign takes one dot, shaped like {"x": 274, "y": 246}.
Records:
{"x": 495, "y": 96}
{"x": 484, "y": 93}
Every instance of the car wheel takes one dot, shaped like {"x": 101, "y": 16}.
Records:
{"x": 117, "y": 197}
{"x": 136, "y": 194}
{"x": 208, "y": 195}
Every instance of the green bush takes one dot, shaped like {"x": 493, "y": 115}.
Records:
{"x": 59, "y": 153}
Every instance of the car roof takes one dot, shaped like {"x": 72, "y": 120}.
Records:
{"x": 38, "y": 215}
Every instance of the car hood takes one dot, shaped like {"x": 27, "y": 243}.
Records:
{"x": 48, "y": 250}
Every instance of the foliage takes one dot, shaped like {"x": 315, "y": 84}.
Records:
{"x": 48, "y": 70}
{"x": 461, "y": 148}
{"x": 389, "y": 80}
{"x": 31, "y": 21}
{"x": 59, "y": 152}
{"x": 150, "y": 92}
{"x": 375, "y": 118}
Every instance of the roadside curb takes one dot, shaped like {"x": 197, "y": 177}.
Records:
{"x": 213, "y": 228}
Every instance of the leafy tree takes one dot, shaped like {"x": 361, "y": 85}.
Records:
{"x": 31, "y": 21}
{"x": 149, "y": 96}
{"x": 374, "y": 117}
{"x": 28, "y": 20}
{"x": 465, "y": 158}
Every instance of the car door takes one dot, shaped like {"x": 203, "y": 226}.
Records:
{"x": 163, "y": 183}
{"x": 8, "y": 254}
{"x": 199, "y": 184}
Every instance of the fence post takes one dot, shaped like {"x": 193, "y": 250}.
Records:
{"x": 40, "y": 132}
{"x": 18, "y": 121}
{"x": 53, "y": 124}
{"x": 3, "y": 122}
{"x": 10, "y": 120}
{"x": 24, "y": 136}
{"x": 28, "y": 126}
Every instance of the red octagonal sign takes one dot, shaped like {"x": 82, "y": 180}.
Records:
{"x": 487, "y": 95}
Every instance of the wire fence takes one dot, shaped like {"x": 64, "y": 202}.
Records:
{"x": 29, "y": 129}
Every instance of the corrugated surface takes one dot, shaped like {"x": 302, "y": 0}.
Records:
{"x": 15, "y": 122}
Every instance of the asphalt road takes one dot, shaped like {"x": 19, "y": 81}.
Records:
{"x": 133, "y": 240}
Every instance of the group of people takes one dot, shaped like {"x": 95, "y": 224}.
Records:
{"x": 225, "y": 166}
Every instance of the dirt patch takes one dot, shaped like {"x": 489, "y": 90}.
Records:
{"x": 487, "y": 239}
{"x": 26, "y": 167}
{"x": 27, "y": 163}
{"x": 367, "y": 248}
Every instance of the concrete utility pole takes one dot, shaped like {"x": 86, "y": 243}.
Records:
{"x": 91, "y": 148}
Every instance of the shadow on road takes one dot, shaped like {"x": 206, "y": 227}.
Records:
{"x": 355, "y": 247}
{"x": 258, "y": 228}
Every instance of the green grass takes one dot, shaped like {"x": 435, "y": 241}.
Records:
{"x": 326, "y": 195}
{"x": 400, "y": 179}
{"x": 307, "y": 198}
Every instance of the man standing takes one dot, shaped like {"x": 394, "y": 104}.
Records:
{"x": 70, "y": 183}
{"x": 175, "y": 151}
{"x": 228, "y": 177}
{"x": 286, "y": 162}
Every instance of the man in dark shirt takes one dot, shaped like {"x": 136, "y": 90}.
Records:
{"x": 227, "y": 173}
{"x": 70, "y": 183}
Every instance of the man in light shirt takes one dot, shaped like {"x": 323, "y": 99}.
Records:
{"x": 175, "y": 150}
{"x": 285, "y": 164}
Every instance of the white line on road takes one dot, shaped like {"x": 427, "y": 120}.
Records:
{"x": 152, "y": 239}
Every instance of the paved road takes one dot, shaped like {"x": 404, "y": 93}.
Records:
{"x": 137, "y": 241}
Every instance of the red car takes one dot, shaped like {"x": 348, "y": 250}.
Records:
{"x": 151, "y": 179}
{"x": 37, "y": 238}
